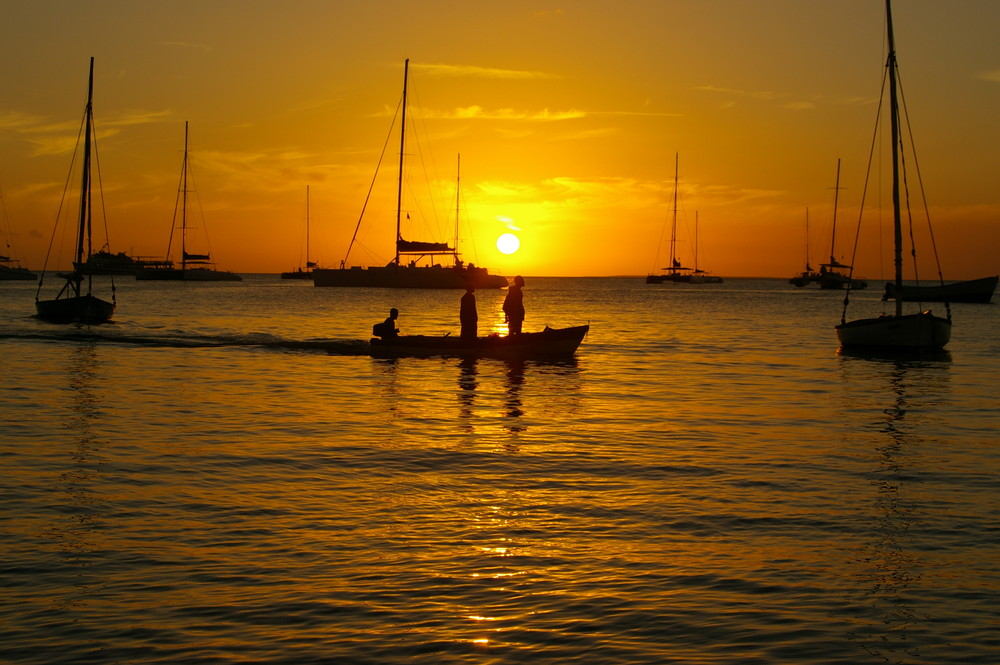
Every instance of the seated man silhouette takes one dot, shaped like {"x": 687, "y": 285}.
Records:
{"x": 387, "y": 329}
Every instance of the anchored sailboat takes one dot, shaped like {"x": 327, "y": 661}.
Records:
{"x": 76, "y": 303}
{"x": 299, "y": 273}
{"x": 896, "y": 331}
{"x": 415, "y": 264}
{"x": 807, "y": 276}
{"x": 10, "y": 267}
{"x": 676, "y": 272}
{"x": 194, "y": 267}
{"x": 836, "y": 275}
{"x": 699, "y": 276}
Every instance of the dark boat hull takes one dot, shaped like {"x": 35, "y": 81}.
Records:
{"x": 20, "y": 274}
{"x": 408, "y": 277}
{"x": 189, "y": 275}
{"x": 974, "y": 290}
{"x": 910, "y": 332}
{"x": 548, "y": 344}
{"x": 78, "y": 309}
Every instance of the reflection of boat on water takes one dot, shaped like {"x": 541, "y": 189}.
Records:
{"x": 194, "y": 267}
{"x": 73, "y": 303}
{"x": 550, "y": 343}
{"x": 300, "y": 273}
{"x": 896, "y": 331}
{"x": 10, "y": 267}
{"x": 415, "y": 264}
{"x": 973, "y": 290}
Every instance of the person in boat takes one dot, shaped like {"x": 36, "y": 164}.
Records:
{"x": 513, "y": 306}
{"x": 387, "y": 329}
{"x": 467, "y": 314}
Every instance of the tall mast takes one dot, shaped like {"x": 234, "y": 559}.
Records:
{"x": 673, "y": 224}
{"x": 308, "y": 262}
{"x": 85, "y": 218}
{"x": 184, "y": 194}
{"x": 808, "y": 267}
{"x": 836, "y": 196}
{"x": 458, "y": 190}
{"x": 894, "y": 124}
{"x": 402, "y": 145}
{"x": 696, "y": 241}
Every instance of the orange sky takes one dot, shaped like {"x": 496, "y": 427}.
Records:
{"x": 567, "y": 117}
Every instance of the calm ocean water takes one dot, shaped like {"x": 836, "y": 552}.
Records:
{"x": 224, "y": 476}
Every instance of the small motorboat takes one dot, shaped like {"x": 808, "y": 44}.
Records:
{"x": 550, "y": 343}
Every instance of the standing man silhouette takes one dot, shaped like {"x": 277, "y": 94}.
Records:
{"x": 467, "y": 313}
{"x": 513, "y": 306}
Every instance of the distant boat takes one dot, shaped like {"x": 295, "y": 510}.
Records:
{"x": 897, "y": 331}
{"x": 416, "y": 263}
{"x": 807, "y": 276}
{"x": 194, "y": 267}
{"x": 549, "y": 344}
{"x": 699, "y": 276}
{"x": 299, "y": 273}
{"x": 676, "y": 272}
{"x": 10, "y": 267}
{"x": 103, "y": 262}
{"x": 974, "y": 290}
{"x": 74, "y": 302}
{"x": 836, "y": 275}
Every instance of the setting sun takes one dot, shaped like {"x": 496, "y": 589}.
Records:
{"x": 508, "y": 243}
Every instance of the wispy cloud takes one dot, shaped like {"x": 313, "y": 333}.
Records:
{"x": 476, "y": 112}
{"x": 188, "y": 45}
{"x": 991, "y": 76}
{"x": 760, "y": 95}
{"x": 799, "y": 106}
{"x": 139, "y": 118}
{"x": 474, "y": 71}
{"x": 48, "y": 137}
{"x": 544, "y": 115}
{"x": 17, "y": 121}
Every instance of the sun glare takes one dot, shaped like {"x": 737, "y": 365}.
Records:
{"x": 508, "y": 243}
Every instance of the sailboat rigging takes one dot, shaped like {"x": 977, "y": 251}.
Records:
{"x": 807, "y": 276}
{"x": 299, "y": 273}
{"x": 414, "y": 264}
{"x": 896, "y": 331}
{"x": 194, "y": 267}
{"x": 700, "y": 276}
{"x": 74, "y": 303}
{"x": 10, "y": 266}
{"x": 836, "y": 275}
{"x": 675, "y": 271}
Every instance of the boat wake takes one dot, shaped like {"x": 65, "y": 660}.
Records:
{"x": 339, "y": 347}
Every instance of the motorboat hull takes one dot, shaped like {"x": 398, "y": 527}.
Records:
{"x": 550, "y": 343}
{"x": 974, "y": 290}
